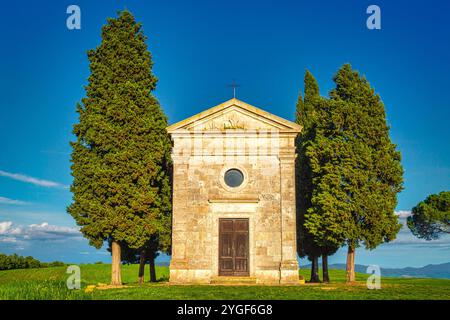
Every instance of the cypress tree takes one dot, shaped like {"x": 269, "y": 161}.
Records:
{"x": 120, "y": 159}
{"x": 314, "y": 113}
{"x": 361, "y": 173}
{"x": 305, "y": 116}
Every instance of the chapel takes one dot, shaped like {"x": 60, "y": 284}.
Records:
{"x": 234, "y": 197}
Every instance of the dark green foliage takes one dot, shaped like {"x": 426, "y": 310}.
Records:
{"x": 52, "y": 264}
{"x": 14, "y": 261}
{"x": 356, "y": 168}
{"x": 308, "y": 115}
{"x": 431, "y": 218}
{"x": 120, "y": 159}
{"x": 306, "y": 246}
{"x": 325, "y": 219}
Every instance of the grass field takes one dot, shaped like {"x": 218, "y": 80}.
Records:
{"x": 50, "y": 283}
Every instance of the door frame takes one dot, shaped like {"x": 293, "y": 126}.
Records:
{"x": 219, "y": 246}
{"x": 223, "y": 209}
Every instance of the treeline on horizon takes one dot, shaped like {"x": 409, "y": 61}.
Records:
{"x": 14, "y": 261}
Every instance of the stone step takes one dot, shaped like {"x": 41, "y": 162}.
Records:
{"x": 233, "y": 280}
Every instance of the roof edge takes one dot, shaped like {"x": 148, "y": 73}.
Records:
{"x": 292, "y": 126}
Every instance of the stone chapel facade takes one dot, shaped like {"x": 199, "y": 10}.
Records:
{"x": 234, "y": 197}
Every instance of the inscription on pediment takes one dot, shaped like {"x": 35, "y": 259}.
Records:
{"x": 232, "y": 120}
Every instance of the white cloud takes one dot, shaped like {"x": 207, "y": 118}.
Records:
{"x": 5, "y": 226}
{"x": 403, "y": 213}
{"x": 4, "y": 200}
{"x": 47, "y": 231}
{"x": 36, "y": 232}
{"x": 32, "y": 180}
{"x": 8, "y": 239}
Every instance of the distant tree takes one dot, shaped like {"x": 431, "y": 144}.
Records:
{"x": 3, "y": 261}
{"x": 51, "y": 264}
{"x": 31, "y": 262}
{"x": 120, "y": 159}
{"x": 14, "y": 261}
{"x": 431, "y": 218}
{"x": 362, "y": 166}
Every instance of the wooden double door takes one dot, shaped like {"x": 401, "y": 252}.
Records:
{"x": 233, "y": 247}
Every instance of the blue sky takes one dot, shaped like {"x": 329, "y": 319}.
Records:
{"x": 198, "y": 47}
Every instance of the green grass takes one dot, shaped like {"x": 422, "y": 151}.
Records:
{"x": 49, "y": 283}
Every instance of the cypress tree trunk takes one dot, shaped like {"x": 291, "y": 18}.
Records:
{"x": 350, "y": 264}
{"x": 314, "y": 270}
{"x": 313, "y": 262}
{"x": 116, "y": 278}
{"x": 152, "y": 268}
{"x": 326, "y": 277}
{"x": 141, "y": 267}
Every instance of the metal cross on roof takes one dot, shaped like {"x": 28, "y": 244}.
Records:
{"x": 234, "y": 85}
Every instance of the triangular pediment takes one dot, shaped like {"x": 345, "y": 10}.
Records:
{"x": 234, "y": 115}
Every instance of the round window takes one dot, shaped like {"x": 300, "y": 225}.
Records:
{"x": 234, "y": 178}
